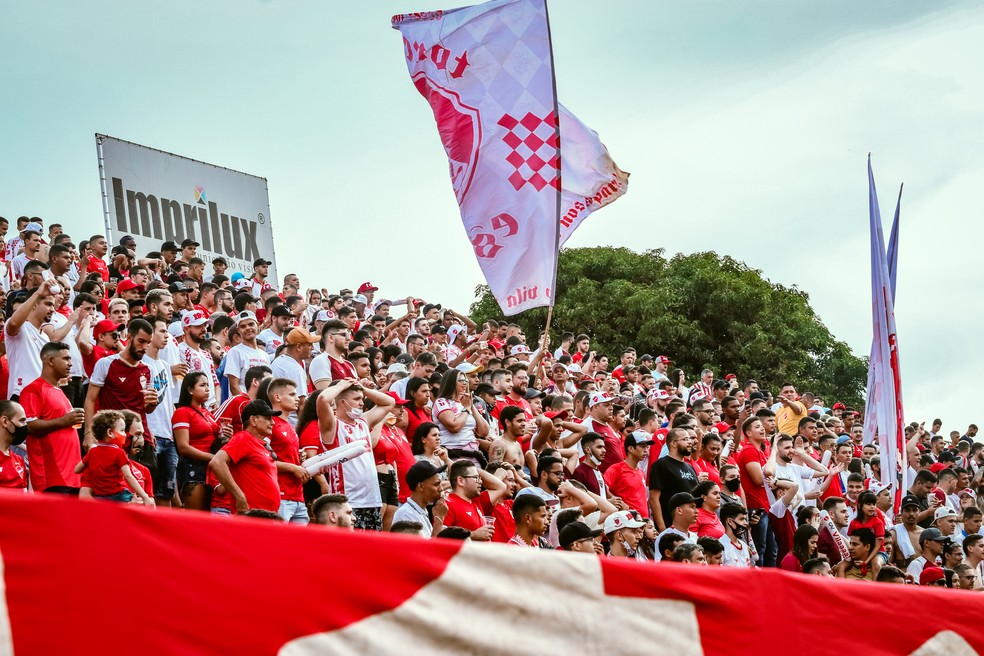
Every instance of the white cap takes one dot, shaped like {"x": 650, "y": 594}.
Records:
{"x": 176, "y": 329}
{"x": 454, "y": 331}
{"x": 396, "y": 368}
{"x": 359, "y": 298}
{"x": 599, "y": 397}
{"x": 193, "y": 318}
{"x": 245, "y": 315}
{"x": 468, "y": 368}
{"x": 944, "y": 511}
{"x": 621, "y": 519}
{"x": 519, "y": 349}
{"x": 33, "y": 225}
{"x": 322, "y": 315}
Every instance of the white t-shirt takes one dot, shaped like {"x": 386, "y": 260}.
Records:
{"x": 361, "y": 484}
{"x": 320, "y": 369}
{"x": 241, "y": 358}
{"x": 735, "y": 556}
{"x": 687, "y": 537}
{"x": 916, "y": 567}
{"x": 23, "y": 356}
{"x": 159, "y": 421}
{"x": 284, "y": 366}
{"x": 17, "y": 266}
{"x": 271, "y": 340}
{"x": 464, "y": 438}
{"x": 57, "y": 322}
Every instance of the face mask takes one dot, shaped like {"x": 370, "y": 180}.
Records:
{"x": 119, "y": 438}
{"x": 19, "y": 433}
{"x": 733, "y": 485}
{"x": 628, "y": 550}
{"x": 354, "y": 414}
{"x": 594, "y": 459}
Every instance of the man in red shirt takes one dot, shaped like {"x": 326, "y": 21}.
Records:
{"x": 53, "y": 442}
{"x": 625, "y": 479}
{"x": 291, "y": 477}
{"x": 107, "y": 336}
{"x": 600, "y": 412}
{"x": 245, "y": 466}
{"x": 517, "y": 393}
{"x": 593, "y": 446}
{"x": 13, "y": 432}
{"x": 232, "y": 409}
{"x": 468, "y": 505}
{"x": 95, "y": 263}
{"x": 123, "y": 382}
{"x": 750, "y": 460}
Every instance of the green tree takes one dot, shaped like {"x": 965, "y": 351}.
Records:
{"x": 703, "y": 310}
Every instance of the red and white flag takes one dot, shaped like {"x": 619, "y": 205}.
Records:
{"x": 487, "y": 73}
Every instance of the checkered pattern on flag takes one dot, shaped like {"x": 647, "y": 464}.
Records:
{"x": 487, "y": 73}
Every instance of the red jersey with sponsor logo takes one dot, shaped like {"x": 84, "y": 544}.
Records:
{"x": 13, "y": 473}
{"x": 468, "y": 514}
{"x": 254, "y": 471}
{"x": 285, "y": 444}
{"x": 53, "y": 455}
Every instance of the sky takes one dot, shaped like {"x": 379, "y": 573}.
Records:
{"x": 745, "y": 127}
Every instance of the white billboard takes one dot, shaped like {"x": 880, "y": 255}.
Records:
{"x": 157, "y": 196}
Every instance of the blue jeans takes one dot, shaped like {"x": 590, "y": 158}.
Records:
{"x": 225, "y": 512}
{"x": 293, "y": 512}
{"x": 765, "y": 542}
{"x": 167, "y": 464}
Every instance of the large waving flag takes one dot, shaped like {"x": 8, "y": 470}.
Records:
{"x": 487, "y": 73}
{"x": 884, "y": 399}
{"x": 232, "y": 586}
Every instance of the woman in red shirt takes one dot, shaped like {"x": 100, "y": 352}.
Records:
{"x": 711, "y": 446}
{"x": 385, "y": 453}
{"x": 196, "y": 436}
{"x": 418, "y": 410}
{"x": 804, "y": 548}
{"x": 708, "y": 522}
{"x": 309, "y": 441}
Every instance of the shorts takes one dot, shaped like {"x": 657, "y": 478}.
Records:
{"x": 293, "y": 512}
{"x": 368, "y": 519}
{"x": 223, "y": 512}
{"x": 124, "y": 496}
{"x": 167, "y": 466}
{"x": 388, "y": 488}
{"x": 191, "y": 472}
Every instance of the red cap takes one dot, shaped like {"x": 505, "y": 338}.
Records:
{"x": 128, "y": 285}
{"x": 105, "y": 326}
{"x": 561, "y": 414}
{"x": 367, "y": 287}
{"x": 937, "y": 467}
{"x": 723, "y": 427}
{"x": 839, "y": 406}
{"x": 730, "y": 377}
{"x": 931, "y": 574}
{"x": 396, "y": 397}
{"x": 662, "y": 359}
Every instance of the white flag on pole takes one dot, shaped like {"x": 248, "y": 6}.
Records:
{"x": 487, "y": 73}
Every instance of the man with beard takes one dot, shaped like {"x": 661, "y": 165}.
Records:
{"x": 670, "y": 475}
{"x": 600, "y": 414}
{"x": 123, "y": 382}
{"x": 246, "y": 354}
{"x": 331, "y": 364}
{"x": 195, "y": 324}
{"x": 516, "y": 395}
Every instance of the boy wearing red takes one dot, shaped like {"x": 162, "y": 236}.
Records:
{"x": 245, "y": 466}
{"x": 283, "y": 439}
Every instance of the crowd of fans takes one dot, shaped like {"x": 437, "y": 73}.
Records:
{"x": 152, "y": 380}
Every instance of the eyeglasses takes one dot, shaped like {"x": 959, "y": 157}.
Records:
{"x": 476, "y": 476}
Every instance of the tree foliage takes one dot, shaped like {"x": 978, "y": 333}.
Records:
{"x": 702, "y": 310}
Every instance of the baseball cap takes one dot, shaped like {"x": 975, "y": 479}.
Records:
{"x": 682, "y": 499}
{"x": 300, "y": 335}
{"x": 483, "y": 388}
{"x": 646, "y": 356}
{"x": 944, "y": 511}
{"x": 245, "y": 315}
{"x": 839, "y": 406}
{"x": 494, "y": 343}
{"x": 128, "y": 285}
{"x": 599, "y": 397}
{"x": 120, "y": 250}
{"x": 420, "y": 471}
{"x": 261, "y": 262}
{"x": 931, "y": 534}
{"x": 359, "y": 298}
{"x": 722, "y": 427}
{"x": 843, "y": 439}
{"x": 189, "y": 242}
{"x": 169, "y": 246}
{"x": 731, "y": 377}
{"x": 560, "y": 365}
{"x": 663, "y": 359}
{"x": 220, "y": 260}
{"x": 519, "y": 349}
{"x": 454, "y": 331}
{"x": 621, "y": 519}
{"x": 396, "y": 398}
{"x": 176, "y": 330}
{"x": 193, "y": 318}
{"x": 937, "y": 467}
{"x": 237, "y": 276}
{"x": 534, "y": 393}
{"x": 280, "y": 311}
{"x": 638, "y": 438}
{"x": 658, "y": 395}
{"x": 469, "y": 368}
{"x": 910, "y": 500}
{"x": 931, "y": 574}
{"x": 438, "y": 330}
{"x": 177, "y": 288}
{"x": 431, "y": 306}
{"x": 575, "y": 532}
{"x": 397, "y": 368}
{"x": 105, "y": 326}
{"x": 33, "y": 225}
{"x": 554, "y": 414}
{"x": 258, "y": 409}
{"x": 367, "y": 287}
{"x": 322, "y": 315}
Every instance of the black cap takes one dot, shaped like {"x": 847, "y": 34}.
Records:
{"x": 485, "y": 388}
{"x": 421, "y": 471}
{"x": 933, "y": 534}
{"x": 219, "y": 260}
{"x": 910, "y": 500}
{"x": 638, "y": 438}
{"x": 405, "y": 358}
{"x": 189, "y": 242}
{"x": 576, "y": 531}
{"x": 431, "y": 306}
{"x": 280, "y": 311}
{"x": 120, "y": 250}
{"x": 258, "y": 409}
{"x": 169, "y": 246}
{"x": 438, "y": 330}
{"x": 682, "y": 499}
{"x": 178, "y": 288}
{"x": 261, "y": 262}
{"x": 534, "y": 393}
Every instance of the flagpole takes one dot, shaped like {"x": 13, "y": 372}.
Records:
{"x": 560, "y": 168}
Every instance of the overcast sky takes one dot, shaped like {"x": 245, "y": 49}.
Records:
{"x": 745, "y": 127}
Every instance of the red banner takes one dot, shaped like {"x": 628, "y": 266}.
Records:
{"x": 99, "y": 578}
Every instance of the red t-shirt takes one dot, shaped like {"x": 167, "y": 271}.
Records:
{"x": 284, "y": 442}
{"x": 201, "y": 426}
{"x": 416, "y": 417}
{"x": 505, "y": 525}
{"x": 89, "y": 360}
{"x": 254, "y": 471}
{"x": 404, "y": 458}
{"x": 384, "y": 453}
{"x": 13, "y": 473}
{"x": 701, "y": 465}
{"x": 104, "y": 469}
{"x": 876, "y": 524}
{"x": 754, "y": 494}
{"x": 341, "y": 369}
{"x": 708, "y": 524}
{"x": 232, "y": 409}
{"x": 97, "y": 265}
{"x": 310, "y": 437}
{"x": 630, "y": 485}
{"x": 142, "y": 474}
{"x": 614, "y": 450}
{"x": 53, "y": 455}
{"x": 508, "y": 400}
{"x": 791, "y": 563}
{"x": 468, "y": 514}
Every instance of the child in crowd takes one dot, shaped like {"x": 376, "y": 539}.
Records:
{"x": 106, "y": 467}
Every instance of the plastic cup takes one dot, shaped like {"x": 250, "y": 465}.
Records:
{"x": 78, "y": 425}
{"x": 490, "y": 521}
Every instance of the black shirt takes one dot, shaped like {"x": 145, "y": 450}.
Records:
{"x": 669, "y": 476}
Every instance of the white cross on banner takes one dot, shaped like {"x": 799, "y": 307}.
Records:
{"x": 487, "y": 73}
